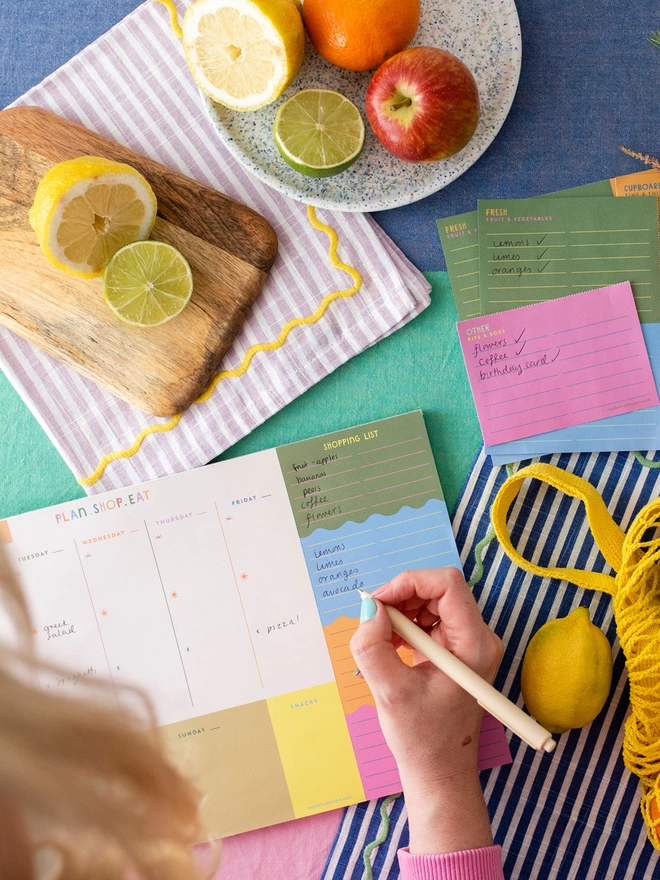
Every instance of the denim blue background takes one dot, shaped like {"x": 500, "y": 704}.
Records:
{"x": 590, "y": 81}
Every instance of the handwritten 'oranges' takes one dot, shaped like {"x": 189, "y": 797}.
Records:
{"x": 360, "y": 34}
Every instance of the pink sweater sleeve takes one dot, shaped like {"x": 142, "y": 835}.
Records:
{"x": 470, "y": 864}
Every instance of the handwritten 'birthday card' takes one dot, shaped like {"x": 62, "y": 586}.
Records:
{"x": 559, "y": 363}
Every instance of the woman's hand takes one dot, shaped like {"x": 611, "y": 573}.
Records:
{"x": 430, "y": 723}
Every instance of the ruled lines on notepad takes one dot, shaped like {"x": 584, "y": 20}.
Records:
{"x": 366, "y": 479}
{"x": 461, "y": 248}
{"x": 548, "y": 366}
{"x": 545, "y": 248}
{"x": 466, "y": 275}
{"x": 368, "y": 555}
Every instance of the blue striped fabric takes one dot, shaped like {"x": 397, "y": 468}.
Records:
{"x": 575, "y": 813}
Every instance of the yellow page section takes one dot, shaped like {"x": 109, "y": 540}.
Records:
{"x": 315, "y": 749}
{"x": 232, "y": 758}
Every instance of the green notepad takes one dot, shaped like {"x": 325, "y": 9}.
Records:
{"x": 534, "y": 250}
{"x": 459, "y": 236}
{"x": 460, "y": 239}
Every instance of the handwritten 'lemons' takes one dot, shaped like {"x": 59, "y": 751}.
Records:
{"x": 567, "y": 672}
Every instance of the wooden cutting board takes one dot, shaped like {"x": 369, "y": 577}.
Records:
{"x": 161, "y": 370}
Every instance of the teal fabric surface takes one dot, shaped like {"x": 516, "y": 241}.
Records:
{"x": 418, "y": 367}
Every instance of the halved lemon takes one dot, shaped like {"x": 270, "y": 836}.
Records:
{"x": 319, "y": 132}
{"x": 85, "y": 209}
{"x": 243, "y": 53}
{"x": 147, "y": 283}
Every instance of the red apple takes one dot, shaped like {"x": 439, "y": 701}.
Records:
{"x": 423, "y": 104}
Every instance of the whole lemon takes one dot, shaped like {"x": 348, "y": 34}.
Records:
{"x": 360, "y": 34}
{"x": 567, "y": 672}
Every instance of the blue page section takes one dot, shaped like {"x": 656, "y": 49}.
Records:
{"x": 369, "y": 554}
{"x": 632, "y": 431}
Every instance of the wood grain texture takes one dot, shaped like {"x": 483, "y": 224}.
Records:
{"x": 161, "y": 370}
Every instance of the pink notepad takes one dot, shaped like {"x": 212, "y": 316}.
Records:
{"x": 554, "y": 364}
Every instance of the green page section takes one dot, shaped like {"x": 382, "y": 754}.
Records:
{"x": 460, "y": 241}
{"x": 348, "y": 475}
{"x": 533, "y": 250}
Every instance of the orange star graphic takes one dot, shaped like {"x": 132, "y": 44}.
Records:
{"x": 104, "y": 613}
{"x": 174, "y": 594}
{"x": 243, "y": 576}
{"x": 34, "y": 632}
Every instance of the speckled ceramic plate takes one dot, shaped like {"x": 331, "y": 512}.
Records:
{"x": 484, "y": 34}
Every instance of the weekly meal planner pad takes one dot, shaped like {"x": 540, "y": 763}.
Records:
{"x": 228, "y": 594}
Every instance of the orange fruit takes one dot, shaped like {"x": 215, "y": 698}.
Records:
{"x": 360, "y": 34}
{"x": 655, "y": 812}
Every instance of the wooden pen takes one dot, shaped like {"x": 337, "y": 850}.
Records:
{"x": 491, "y": 700}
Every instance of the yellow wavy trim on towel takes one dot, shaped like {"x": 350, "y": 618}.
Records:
{"x": 249, "y": 354}
{"x": 174, "y": 17}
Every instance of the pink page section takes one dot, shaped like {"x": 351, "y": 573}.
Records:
{"x": 493, "y": 744}
{"x": 376, "y": 763}
{"x": 554, "y": 364}
{"x": 294, "y": 850}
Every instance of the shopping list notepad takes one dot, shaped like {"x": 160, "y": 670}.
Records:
{"x": 228, "y": 594}
{"x": 558, "y": 363}
{"x": 460, "y": 240}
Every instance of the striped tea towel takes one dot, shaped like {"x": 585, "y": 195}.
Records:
{"x": 133, "y": 86}
{"x": 572, "y": 815}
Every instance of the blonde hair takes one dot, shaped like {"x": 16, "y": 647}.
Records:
{"x": 91, "y": 780}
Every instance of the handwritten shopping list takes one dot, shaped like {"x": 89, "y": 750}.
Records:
{"x": 228, "y": 594}
{"x": 367, "y": 505}
{"x": 553, "y": 364}
{"x": 459, "y": 235}
{"x": 534, "y": 250}
{"x": 636, "y": 430}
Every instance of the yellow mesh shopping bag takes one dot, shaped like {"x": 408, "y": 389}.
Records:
{"x": 635, "y": 591}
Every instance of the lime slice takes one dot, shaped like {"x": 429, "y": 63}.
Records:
{"x": 147, "y": 283}
{"x": 319, "y": 132}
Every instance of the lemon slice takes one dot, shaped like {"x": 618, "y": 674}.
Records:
{"x": 85, "y": 209}
{"x": 319, "y": 132}
{"x": 147, "y": 283}
{"x": 243, "y": 53}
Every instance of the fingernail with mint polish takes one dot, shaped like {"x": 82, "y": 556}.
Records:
{"x": 368, "y": 609}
